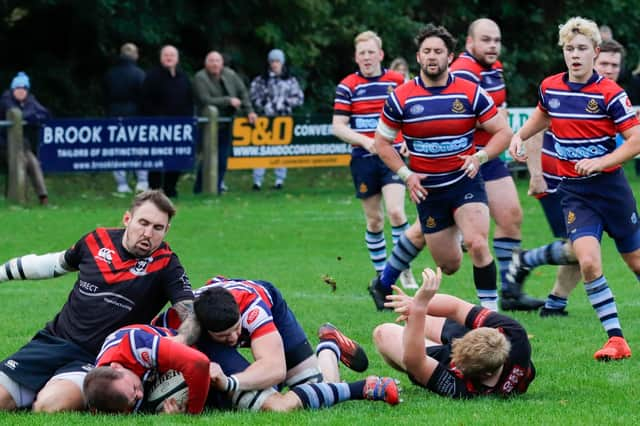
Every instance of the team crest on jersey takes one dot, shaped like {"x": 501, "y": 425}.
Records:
{"x": 571, "y": 217}
{"x": 144, "y": 355}
{"x": 416, "y": 109}
{"x": 592, "y": 107}
{"x": 457, "y": 107}
{"x": 431, "y": 222}
{"x": 554, "y": 103}
{"x": 363, "y": 188}
{"x": 105, "y": 255}
{"x": 141, "y": 266}
{"x": 360, "y": 92}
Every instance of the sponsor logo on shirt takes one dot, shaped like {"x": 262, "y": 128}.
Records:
{"x": 252, "y": 315}
{"x": 105, "y": 255}
{"x": 416, "y": 109}
{"x": 554, "y": 103}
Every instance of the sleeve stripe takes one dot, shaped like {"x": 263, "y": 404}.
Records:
{"x": 7, "y": 269}
{"x": 20, "y": 270}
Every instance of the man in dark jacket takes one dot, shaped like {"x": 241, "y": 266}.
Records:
{"x": 19, "y": 96}
{"x": 122, "y": 89}
{"x": 166, "y": 91}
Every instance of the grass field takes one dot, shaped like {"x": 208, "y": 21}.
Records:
{"x": 292, "y": 238}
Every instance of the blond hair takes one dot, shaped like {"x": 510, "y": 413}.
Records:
{"x": 366, "y": 36}
{"x": 480, "y": 351}
{"x": 578, "y": 25}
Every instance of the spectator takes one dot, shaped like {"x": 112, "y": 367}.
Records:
{"x": 122, "y": 88}
{"x": 19, "y": 96}
{"x": 276, "y": 92}
{"x": 167, "y": 91}
{"x": 220, "y": 86}
{"x": 400, "y": 65}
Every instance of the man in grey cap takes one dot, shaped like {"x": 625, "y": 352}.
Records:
{"x": 276, "y": 92}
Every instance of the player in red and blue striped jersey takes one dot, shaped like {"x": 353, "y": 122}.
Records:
{"x": 437, "y": 114}
{"x": 357, "y": 106}
{"x": 132, "y": 357}
{"x": 584, "y": 112}
{"x": 479, "y": 64}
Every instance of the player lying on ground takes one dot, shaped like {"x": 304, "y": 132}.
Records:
{"x": 245, "y": 313}
{"x": 470, "y": 351}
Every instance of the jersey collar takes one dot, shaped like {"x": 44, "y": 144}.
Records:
{"x": 576, "y": 87}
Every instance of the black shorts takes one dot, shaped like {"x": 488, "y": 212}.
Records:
{"x": 44, "y": 357}
{"x": 450, "y": 330}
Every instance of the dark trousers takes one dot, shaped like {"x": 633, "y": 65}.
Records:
{"x": 166, "y": 181}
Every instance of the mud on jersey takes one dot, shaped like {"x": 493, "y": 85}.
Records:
{"x": 115, "y": 289}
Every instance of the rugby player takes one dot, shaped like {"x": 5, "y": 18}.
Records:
{"x": 583, "y": 112}
{"x": 125, "y": 276}
{"x": 437, "y": 114}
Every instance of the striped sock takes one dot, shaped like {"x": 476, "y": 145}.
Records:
{"x": 603, "y": 302}
{"x": 503, "y": 248}
{"x": 484, "y": 279}
{"x": 401, "y": 257}
{"x": 328, "y": 345}
{"x": 377, "y": 247}
{"x": 555, "y": 302}
{"x": 320, "y": 395}
{"x": 397, "y": 231}
{"x": 551, "y": 254}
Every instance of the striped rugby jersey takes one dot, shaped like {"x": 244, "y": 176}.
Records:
{"x": 361, "y": 98}
{"x": 489, "y": 78}
{"x": 438, "y": 124}
{"x": 584, "y": 118}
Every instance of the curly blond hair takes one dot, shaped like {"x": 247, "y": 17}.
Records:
{"x": 480, "y": 351}
{"x": 578, "y": 25}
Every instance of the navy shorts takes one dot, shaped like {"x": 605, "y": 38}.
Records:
{"x": 370, "y": 174}
{"x": 436, "y": 210}
{"x": 552, "y": 207}
{"x": 494, "y": 169}
{"x": 44, "y": 357}
{"x": 600, "y": 203}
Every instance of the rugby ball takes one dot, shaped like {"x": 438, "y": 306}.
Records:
{"x": 170, "y": 384}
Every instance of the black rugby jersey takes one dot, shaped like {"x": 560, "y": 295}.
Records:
{"x": 115, "y": 289}
{"x": 518, "y": 371}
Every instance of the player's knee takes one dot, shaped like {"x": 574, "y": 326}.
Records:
{"x": 375, "y": 223}
{"x": 6, "y": 400}
{"x": 382, "y": 335}
{"x": 477, "y": 245}
{"x": 397, "y": 215}
{"x": 450, "y": 266}
{"x": 57, "y": 396}
{"x": 590, "y": 267}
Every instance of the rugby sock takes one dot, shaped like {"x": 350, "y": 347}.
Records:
{"x": 401, "y": 257}
{"x": 602, "y": 300}
{"x": 484, "y": 279}
{"x": 397, "y": 231}
{"x": 551, "y": 254}
{"x": 555, "y": 302}
{"x": 328, "y": 345}
{"x": 503, "y": 248}
{"x": 377, "y": 247}
{"x": 320, "y": 395}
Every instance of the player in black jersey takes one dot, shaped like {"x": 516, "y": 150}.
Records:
{"x": 125, "y": 276}
{"x": 470, "y": 351}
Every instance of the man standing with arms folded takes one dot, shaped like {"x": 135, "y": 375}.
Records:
{"x": 437, "y": 114}
{"x": 357, "y": 107}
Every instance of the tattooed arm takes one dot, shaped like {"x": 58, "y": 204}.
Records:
{"x": 189, "y": 330}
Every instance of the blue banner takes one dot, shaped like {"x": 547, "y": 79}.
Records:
{"x": 123, "y": 143}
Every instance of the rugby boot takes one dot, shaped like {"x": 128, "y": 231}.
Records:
{"x": 379, "y": 293}
{"x": 519, "y": 302}
{"x": 382, "y": 389}
{"x": 550, "y": 312}
{"x": 351, "y": 353}
{"x": 407, "y": 280}
{"x": 616, "y": 348}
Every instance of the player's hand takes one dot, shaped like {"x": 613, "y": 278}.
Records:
{"x": 400, "y": 302}
{"x": 371, "y": 147}
{"x": 588, "y": 166}
{"x": 471, "y": 165}
{"x": 430, "y": 284}
{"x": 537, "y": 185}
{"x": 171, "y": 406}
{"x": 218, "y": 378}
{"x": 517, "y": 149}
{"x": 417, "y": 192}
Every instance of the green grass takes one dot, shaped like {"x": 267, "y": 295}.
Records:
{"x": 292, "y": 238}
